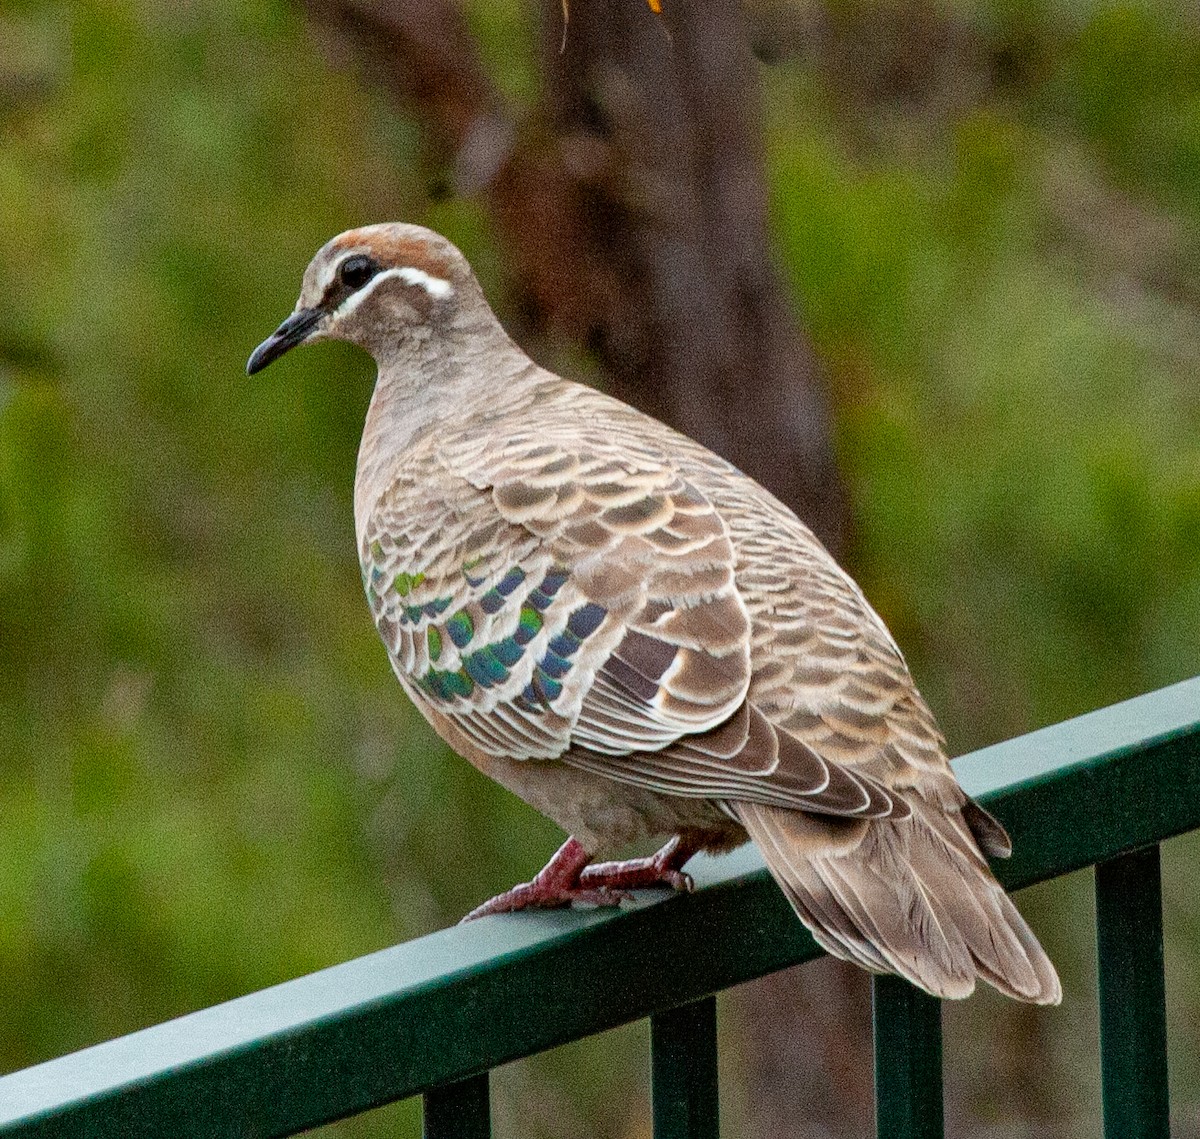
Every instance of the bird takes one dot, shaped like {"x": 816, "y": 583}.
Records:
{"x": 640, "y": 641}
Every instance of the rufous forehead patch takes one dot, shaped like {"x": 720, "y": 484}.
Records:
{"x": 398, "y": 250}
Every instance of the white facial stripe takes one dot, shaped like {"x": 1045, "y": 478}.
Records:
{"x": 327, "y": 274}
{"x": 434, "y": 286}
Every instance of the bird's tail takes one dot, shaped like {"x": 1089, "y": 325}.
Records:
{"x": 913, "y": 897}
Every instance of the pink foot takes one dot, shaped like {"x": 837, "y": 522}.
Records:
{"x": 556, "y": 884}
{"x": 661, "y": 869}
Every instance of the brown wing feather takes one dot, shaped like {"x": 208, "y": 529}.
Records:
{"x": 771, "y": 768}
{"x": 638, "y": 541}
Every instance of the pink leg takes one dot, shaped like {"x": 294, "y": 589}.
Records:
{"x": 556, "y": 884}
{"x": 661, "y": 869}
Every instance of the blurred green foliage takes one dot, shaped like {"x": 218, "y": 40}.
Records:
{"x": 209, "y": 780}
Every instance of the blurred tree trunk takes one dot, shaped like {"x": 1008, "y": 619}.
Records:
{"x": 661, "y": 134}
{"x": 632, "y": 210}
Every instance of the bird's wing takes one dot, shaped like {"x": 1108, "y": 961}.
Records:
{"x": 913, "y": 896}
{"x": 580, "y": 603}
{"x": 826, "y": 670}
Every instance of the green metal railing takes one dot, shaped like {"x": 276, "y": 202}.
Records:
{"x": 433, "y": 1016}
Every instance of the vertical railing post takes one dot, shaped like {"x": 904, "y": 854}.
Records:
{"x": 459, "y": 1111}
{"x": 1133, "y": 1001}
{"x": 908, "y": 1060}
{"x": 683, "y": 1071}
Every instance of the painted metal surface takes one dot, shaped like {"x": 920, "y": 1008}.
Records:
{"x": 683, "y": 1071}
{"x": 908, "y": 1060}
{"x": 1133, "y": 1002}
{"x": 439, "y": 1009}
{"x": 459, "y": 1111}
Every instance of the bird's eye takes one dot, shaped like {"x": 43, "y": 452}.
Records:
{"x": 356, "y": 271}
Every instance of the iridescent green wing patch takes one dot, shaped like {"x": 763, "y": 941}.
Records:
{"x": 545, "y": 685}
{"x": 460, "y": 628}
{"x": 445, "y": 685}
{"x": 405, "y": 583}
{"x": 490, "y": 665}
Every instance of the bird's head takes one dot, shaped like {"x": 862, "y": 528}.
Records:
{"x": 375, "y": 286}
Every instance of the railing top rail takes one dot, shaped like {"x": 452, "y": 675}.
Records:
{"x": 463, "y": 1000}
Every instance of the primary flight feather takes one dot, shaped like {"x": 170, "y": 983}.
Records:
{"x": 639, "y": 640}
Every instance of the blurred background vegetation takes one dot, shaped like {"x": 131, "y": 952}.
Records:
{"x": 989, "y": 215}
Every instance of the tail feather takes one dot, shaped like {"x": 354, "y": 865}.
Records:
{"x": 820, "y": 911}
{"x": 988, "y": 832}
{"x": 913, "y": 897}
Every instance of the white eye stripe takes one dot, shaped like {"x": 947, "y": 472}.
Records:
{"x": 434, "y": 286}
{"x": 328, "y": 273}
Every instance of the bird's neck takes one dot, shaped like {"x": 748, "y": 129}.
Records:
{"x": 426, "y": 379}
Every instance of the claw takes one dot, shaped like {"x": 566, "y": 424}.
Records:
{"x": 529, "y": 896}
{"x": 568, "y": 878}
{"x": 556, "y": 884}
{"x": 661, "y": 869}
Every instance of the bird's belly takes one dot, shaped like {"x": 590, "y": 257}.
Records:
{"x": 601, "y": 813}
{"x": 604, "y": 814}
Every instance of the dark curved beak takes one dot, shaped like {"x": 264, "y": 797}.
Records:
{"x": 295, "y": 330}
